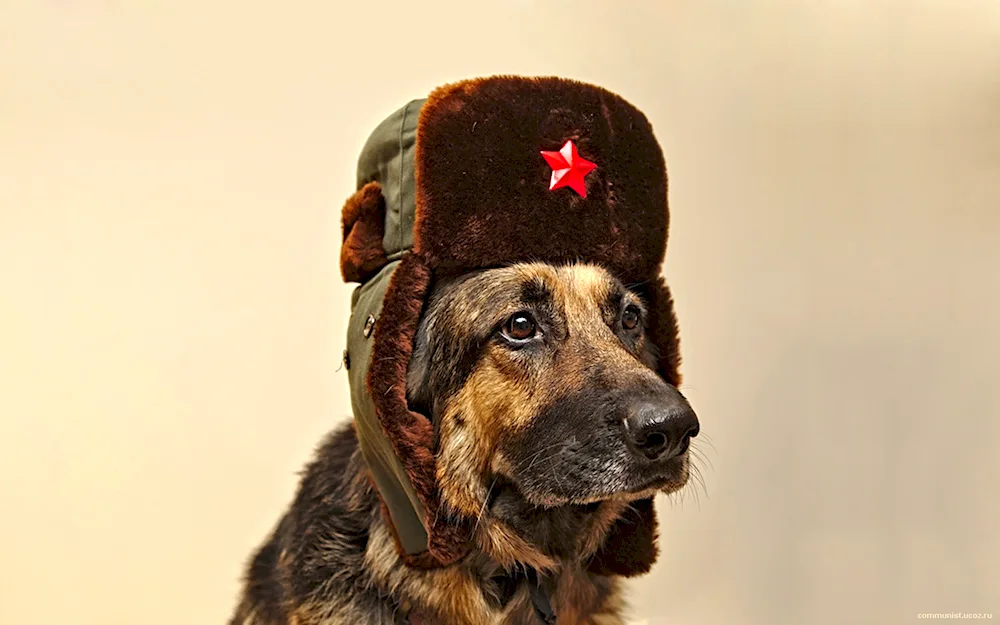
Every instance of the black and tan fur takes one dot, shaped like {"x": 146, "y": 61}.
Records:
{"x": 529, "y": 443}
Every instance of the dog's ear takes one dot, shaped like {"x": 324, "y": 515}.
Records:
{"x": 630, "y": 548}
{"x": 363, "y": 220}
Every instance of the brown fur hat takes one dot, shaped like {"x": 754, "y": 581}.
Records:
{"x": 454, "y": 183}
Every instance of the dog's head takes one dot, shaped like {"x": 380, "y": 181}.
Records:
{"x": 541, "y": 376}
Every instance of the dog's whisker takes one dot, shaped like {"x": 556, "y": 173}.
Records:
{"x": 672, "y": 499}
{"x": 539, "y": 454}
{"x": 697, "y": 452}
{"x": 706, "y": 439}
{"x": 486, "y": 500}
{"x": 699, "y": 478}
{"x": 694, "y": 490}
{"x": 698, "y": 459}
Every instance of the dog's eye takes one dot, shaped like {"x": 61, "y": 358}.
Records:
{"x": 520, "y": 327}
{"x": 630, "y": 318}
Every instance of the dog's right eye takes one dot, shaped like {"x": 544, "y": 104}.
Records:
{"x": 520, "y": 327}
{"x": 631, "y": 317}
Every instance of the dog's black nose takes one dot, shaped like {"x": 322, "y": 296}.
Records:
{"x": 659, "y": 431}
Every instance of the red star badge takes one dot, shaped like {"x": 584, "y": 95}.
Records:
{"x": 568, "y": 168}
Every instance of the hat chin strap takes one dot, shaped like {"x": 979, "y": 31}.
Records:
{"x": 539, "y": 597}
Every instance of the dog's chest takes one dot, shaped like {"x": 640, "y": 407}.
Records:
{"x": 571, "y": 598}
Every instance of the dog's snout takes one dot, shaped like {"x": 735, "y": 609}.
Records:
{"x": 660, "y": 430}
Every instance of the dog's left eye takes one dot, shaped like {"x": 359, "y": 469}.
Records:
{"x": 630, "y": 318}
{"x": 520, "y": 327}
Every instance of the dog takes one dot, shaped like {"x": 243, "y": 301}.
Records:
{"x": 550, "y": 423}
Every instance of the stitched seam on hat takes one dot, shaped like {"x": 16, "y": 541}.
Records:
{"x": 402, "y": 125}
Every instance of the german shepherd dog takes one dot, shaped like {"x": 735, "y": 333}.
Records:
{"x": 550, "y": 422}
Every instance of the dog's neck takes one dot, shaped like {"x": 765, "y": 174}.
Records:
{"x": 530, "y": 562}
{"x": 523, "y": 558}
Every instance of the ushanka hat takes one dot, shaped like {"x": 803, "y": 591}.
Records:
{"x": 481, "y": 174}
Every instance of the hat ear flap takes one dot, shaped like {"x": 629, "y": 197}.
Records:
{"x": 363, "y": 220}
{"x": 410, "y": 434}
{"x": 630, "y": 548}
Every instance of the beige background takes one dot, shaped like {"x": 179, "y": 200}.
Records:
{"x": 171, "y": 318}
